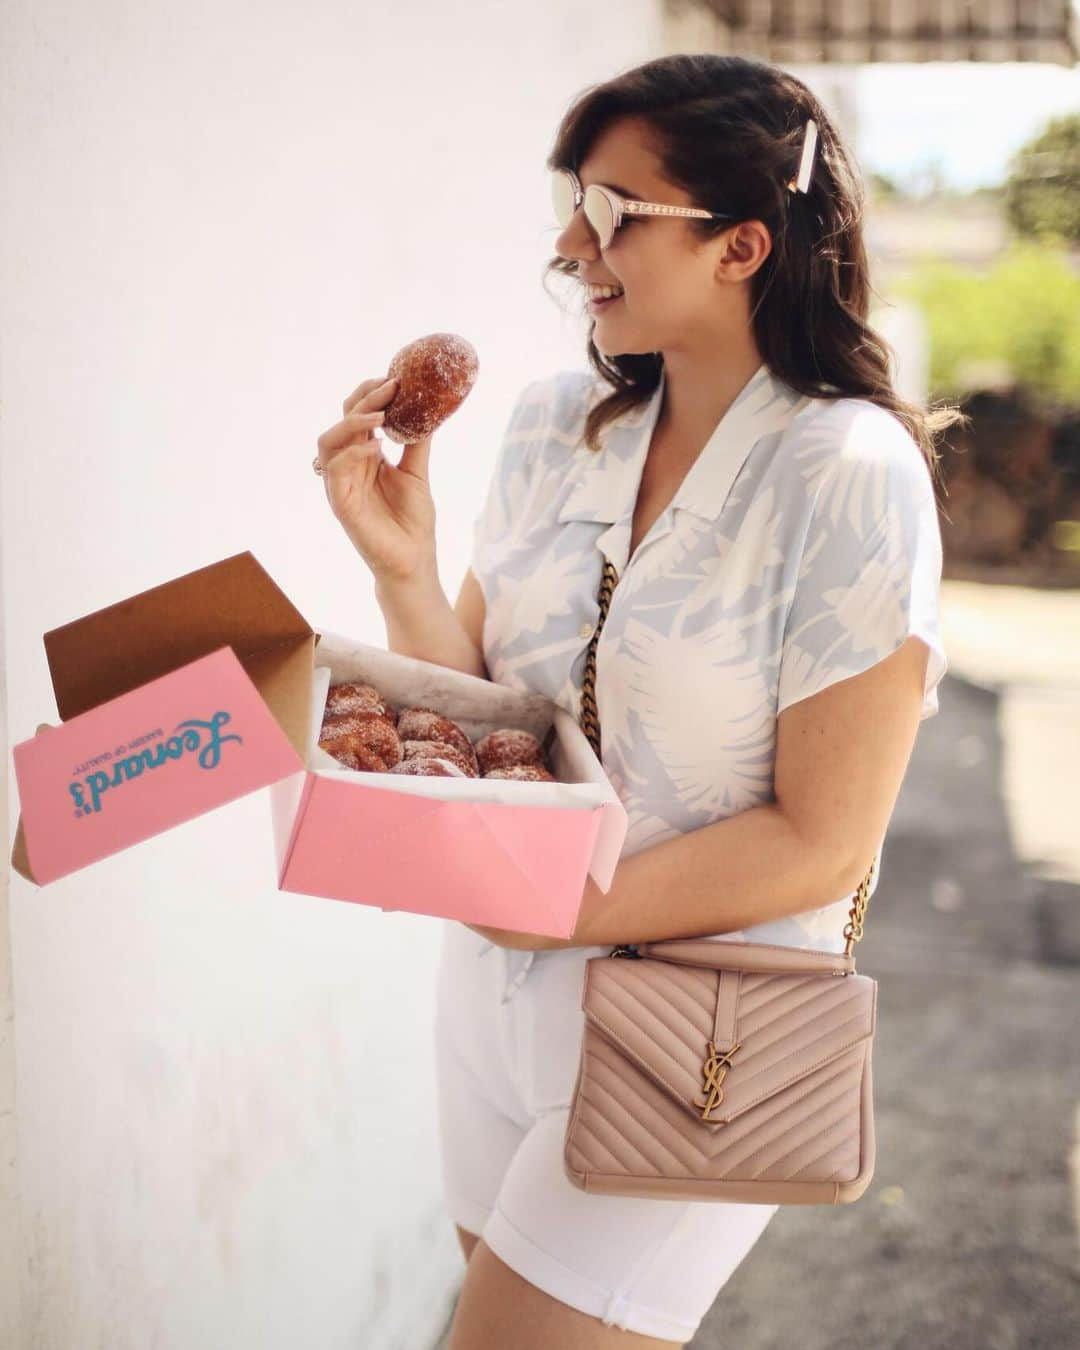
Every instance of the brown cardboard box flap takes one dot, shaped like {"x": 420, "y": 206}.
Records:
{"x": 20, "y": 858}
{"x": 232, "y": 603}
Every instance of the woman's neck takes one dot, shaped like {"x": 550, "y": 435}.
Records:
{"x": 699, "y": 388}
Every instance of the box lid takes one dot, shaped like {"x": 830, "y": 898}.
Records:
{"x": 231, "y": 603}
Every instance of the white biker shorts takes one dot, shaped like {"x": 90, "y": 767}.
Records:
{"x": 507, "y": 1033}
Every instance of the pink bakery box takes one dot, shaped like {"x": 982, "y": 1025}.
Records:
{"x": 501, "y": 852}
{"x": 194, "y": 693}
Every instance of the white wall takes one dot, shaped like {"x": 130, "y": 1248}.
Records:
{"x": 219, "y": 219}
{"x": 11, "y": 1305}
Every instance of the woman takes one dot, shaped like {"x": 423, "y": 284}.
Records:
{"x": 739, "y": 455}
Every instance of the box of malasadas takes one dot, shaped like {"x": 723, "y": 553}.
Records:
{"x": 429, "y": 790}
{"x": 393, "y": 782}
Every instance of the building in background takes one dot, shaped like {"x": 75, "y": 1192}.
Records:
{"x": 1014, "y": 476}
{"x": 858, "y": 32}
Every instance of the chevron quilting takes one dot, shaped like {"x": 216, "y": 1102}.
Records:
{"x": 791, "y": 1105}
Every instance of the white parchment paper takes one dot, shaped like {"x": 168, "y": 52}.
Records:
{"x": 478, "y": 706}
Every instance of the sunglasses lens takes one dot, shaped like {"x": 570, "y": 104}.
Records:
{"x": 600, "y": 214}
{"x": 562, "y": 197}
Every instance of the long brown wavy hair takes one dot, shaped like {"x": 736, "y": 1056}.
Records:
{"x": 729, "y": 131}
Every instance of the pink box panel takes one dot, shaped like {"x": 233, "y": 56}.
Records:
{"x": 164, "y": 753}
{"x": 518, "y": 867}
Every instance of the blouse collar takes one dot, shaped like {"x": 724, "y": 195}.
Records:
{"x": 607, "y": 487}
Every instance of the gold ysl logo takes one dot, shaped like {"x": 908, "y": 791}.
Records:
{"x": 714, "y": 1071}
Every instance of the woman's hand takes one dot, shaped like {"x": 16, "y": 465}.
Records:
{"x": 521, "y": 942}
{"x": 593, "y": 900}
{"x": 386, "y": 510}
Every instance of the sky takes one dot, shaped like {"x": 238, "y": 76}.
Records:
{"x": 970, "y": 118}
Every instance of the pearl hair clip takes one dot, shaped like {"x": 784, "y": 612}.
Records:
{"x": 801, "y": 181}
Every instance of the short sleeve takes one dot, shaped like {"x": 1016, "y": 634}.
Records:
{"x": 507, "y": 488}
{"x": 870, "y": 571}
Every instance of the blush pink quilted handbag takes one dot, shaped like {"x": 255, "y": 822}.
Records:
{"x": 722, "y": 1070}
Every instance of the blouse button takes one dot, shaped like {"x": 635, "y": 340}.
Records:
{"x": 585, "y": 630}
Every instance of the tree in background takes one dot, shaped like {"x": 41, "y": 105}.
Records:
{"x": 1005, "y": 343}
{"x": 1042, "y": 190}
{"x": 1022, "y": 317}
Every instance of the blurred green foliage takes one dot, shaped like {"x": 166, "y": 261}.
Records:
{"x": 1024, "y": 313}
{"x": 1042, "y": 190}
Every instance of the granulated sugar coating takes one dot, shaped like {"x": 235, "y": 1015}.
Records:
{"x": 365, "y": 729}
{"x": 441, "y": 768}
{"x": 434, "y": 375}
{"x": 507, "y": 746}
{"x": 348, "y": 697}
{"x": 441, "y": 750}
{"x": 424, "y": 724}
{"x": 530, "y": 773}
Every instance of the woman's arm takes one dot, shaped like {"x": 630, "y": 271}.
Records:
{"x": 420, "y": 622}
{"x": 841, "y": 756}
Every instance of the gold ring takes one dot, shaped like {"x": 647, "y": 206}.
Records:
{"x": 317, "y": 466}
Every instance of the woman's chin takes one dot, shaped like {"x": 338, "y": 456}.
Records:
{"x": 611, "y": 345}
{"x": 609, "y": 341}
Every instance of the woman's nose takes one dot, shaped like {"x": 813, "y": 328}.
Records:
{"x": 577, "y": 240}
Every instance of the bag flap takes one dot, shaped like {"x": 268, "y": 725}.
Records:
{"x": 784, "y": 1026}
{"x": 741, "y": 955}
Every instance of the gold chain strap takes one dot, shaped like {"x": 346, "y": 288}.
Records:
{"x": 590, "y": 719}
{"x": 590, "y": 724}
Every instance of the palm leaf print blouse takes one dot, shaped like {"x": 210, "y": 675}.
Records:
{"x": 801, "y": 548}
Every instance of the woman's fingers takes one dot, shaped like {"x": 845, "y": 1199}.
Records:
{"x": 414, "y": 458}
{"x": 355, "y": 428}
{"x": 349, "y": 468}
{"x": 371, "y": 394}
{"x": 343, "y": 462}
{"x": 352, "y": 426}
{"x": 358, "y": 393}
{"x": 363, "y": 412}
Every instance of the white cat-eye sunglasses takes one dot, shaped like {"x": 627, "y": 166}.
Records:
{"x": 605, "y": 208}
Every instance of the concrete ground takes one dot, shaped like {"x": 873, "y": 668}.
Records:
{"x": 967, "y": 1238}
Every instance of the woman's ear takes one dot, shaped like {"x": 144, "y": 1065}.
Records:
{"x": 747, "y": 246}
